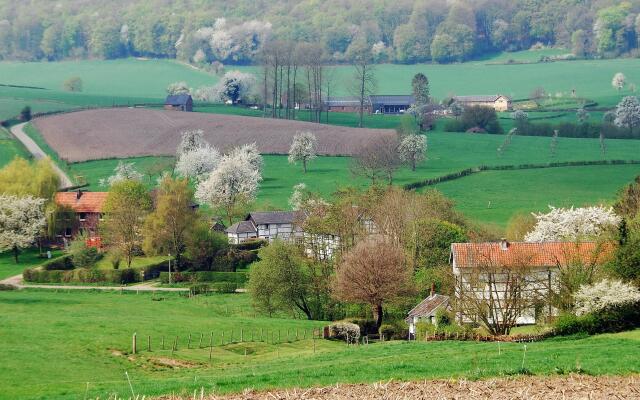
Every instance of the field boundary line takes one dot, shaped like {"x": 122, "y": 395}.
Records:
{"x": 511, "y": 167}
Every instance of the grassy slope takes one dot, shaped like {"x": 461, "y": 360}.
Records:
{"x": 80, "y": 331}
{"x": 10, "y": 147}
{"x": 494, "y": 196}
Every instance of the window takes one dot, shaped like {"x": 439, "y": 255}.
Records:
{"x": 67, "y": 232}
{"x": 83, "y": 216}
{"x": 101, "y": 216}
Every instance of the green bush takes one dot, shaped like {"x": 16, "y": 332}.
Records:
{"x": 86, "y": 257}
{"x": 59, "y": 263}
{"x": 616, "y": 318}
{"x": 237, "y": 278}
{"x": 199, "y": 288}
{"x": 387, "y": 331}
{"x": 224, "y": 287}
{"x": 254, "y": 244}
{"x": 443, "y": 318}
{"x": 398, "y": 330}
{"x": 367, "y": 326}
{"x": 82, "y": 275}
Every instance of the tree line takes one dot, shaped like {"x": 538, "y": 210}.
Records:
{"x": 405, "y": 31}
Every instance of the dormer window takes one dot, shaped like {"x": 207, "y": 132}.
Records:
{"x": 83, "y": 216}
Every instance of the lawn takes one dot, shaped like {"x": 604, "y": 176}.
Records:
{"x": 88, "y": 335}
{"x": 137, "y": 262}
{"x": 9, "y": 148}
{"x": 27, "y": 259}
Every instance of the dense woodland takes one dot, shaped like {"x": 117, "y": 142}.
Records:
{"x": 402, "y": 31}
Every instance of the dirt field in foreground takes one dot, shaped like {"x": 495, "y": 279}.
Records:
{"x": 574, "y": 387}
{"x": 132, "y": 132}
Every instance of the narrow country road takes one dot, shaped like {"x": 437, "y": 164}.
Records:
{"x": 38, "y": 153}
{"x": 16, "y": 281}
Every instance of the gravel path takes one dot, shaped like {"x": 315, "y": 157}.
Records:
{"x": 143, "y": 287}
{"x": 38, "y": 153}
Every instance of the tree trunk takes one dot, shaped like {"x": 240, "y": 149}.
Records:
{"x": 16, "y": 253}
{"x": 304, "y": 164}
{"x": 413, "y": 164}
{"x": 377, "y": 314}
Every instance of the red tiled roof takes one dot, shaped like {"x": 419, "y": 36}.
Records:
{"x": 90, "y": 202}
{"x": 545, "y": 254}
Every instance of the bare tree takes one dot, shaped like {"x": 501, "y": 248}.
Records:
{"x": 379, "y": 157}
{"x": 363, "y": 77}
{"x": 373, "y": 272}
{"x": 496, "y": 294}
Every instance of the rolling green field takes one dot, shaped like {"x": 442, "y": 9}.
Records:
{"x": 130, "y": 81}
{"x": 491, "y": 196}
{"x": 9, "y": 148}
{"x": 86, "y": 339}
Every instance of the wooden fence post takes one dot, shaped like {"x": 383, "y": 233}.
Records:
{"x": 210, "y": 350}
{"x": 211, "y": 339}
{"x": 149, "y": 343}
{"x": 162, "y": 342}
{"x": 222, "y": 338}
{"x": 241, "y": 335}
{"x": 200, "y": 343}
{"x": 189, "y": 342}
{"x": 134, "y": 343}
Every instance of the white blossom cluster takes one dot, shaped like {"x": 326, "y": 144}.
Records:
{"x": 234, "y": 180}
{"x": 591, "y": 298}
{"x": 21, "y": 221}
{"x": 412, "y": 148}
{"x": 224, "y": 41}
{"x": 562, "y": 224}
{"x": 233, "y": 86}
{"x": 123, "y": 172}
{"x": 178, "y": 88}
{"x": 303, "y": 147}
{"x": 195, "y": 157}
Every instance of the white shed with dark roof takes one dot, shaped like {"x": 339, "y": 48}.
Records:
{"x": 268, "y": 225}
{"x": 426, "y": 310}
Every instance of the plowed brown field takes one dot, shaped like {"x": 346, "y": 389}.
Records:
{"x": 132, "y": 132}
{"x": 575, "y": 387}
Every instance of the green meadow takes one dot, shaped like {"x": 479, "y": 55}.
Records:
{"x": 78, "y": 345}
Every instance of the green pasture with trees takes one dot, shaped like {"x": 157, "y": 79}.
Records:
{"x": 89, "y": 334}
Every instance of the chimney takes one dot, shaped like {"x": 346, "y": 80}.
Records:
{"x": 433, "y": 289}
{"x": 78, "y": 194}
{"x": 504, "y": 245}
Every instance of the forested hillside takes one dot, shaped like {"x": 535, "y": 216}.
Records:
{"x": 233, "y": 32}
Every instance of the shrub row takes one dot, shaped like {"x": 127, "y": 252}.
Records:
{"x": 216, "y": 287}
{"x": 250, "y": 244}
{"x": 474, "y": 170}
{"x": 571, "y": 130}
{"x": 237, "y": 278}
{"x": 82, "y": 275}
{"x": 611, "y": 319}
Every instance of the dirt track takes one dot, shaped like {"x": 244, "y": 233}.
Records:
{"x": 574, "y": 387}
{"x": 130, "y": 132}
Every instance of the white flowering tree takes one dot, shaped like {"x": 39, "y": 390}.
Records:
{"x": 595, "y": 297}
{"x": 191, "y": 140}
{"x": 618, "y": 81}
{"x": 235, "y": 86}
{"x": 303, "y": 148}
{"x": 628, "y": 113}
{"x": 21, "y": 221}
{"x": 198, "y": 163}
{"x": 571, "y": 224}
{"x": 123, "y": 172}
{"x": 582, "y": 115}
{"x": 178, "y": 88}
{"x": 412, "y": 149}
{"x": 232, "y": 184}
{"x": 297, "y": 197}
{"x": 249, "y": 153}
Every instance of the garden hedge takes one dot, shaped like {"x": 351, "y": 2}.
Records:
{"x": 82, "y": 275}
